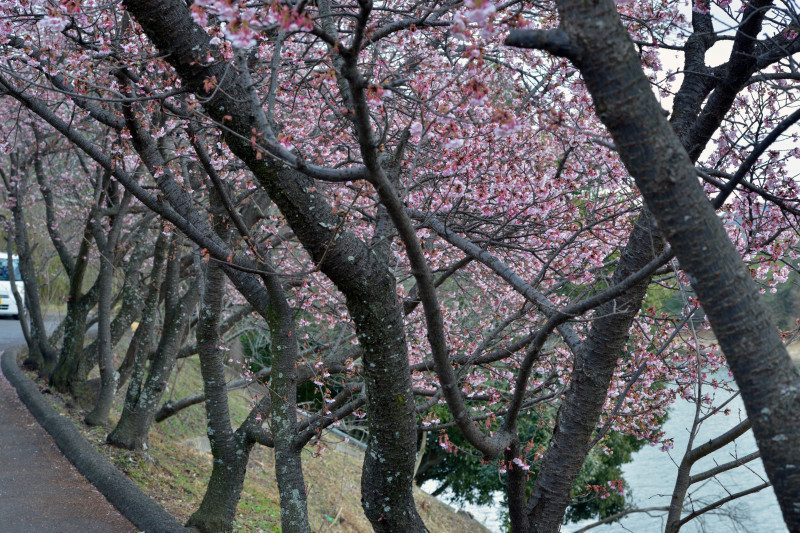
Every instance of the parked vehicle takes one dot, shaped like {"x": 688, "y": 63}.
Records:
{"x": 8, "y": 304}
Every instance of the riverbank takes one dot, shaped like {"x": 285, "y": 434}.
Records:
{"x": 706, "y": 336}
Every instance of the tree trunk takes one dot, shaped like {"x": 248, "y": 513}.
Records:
{"x": 231, "y": 453}
{"x": 108, "y": 376}
{"x": 218, "y": 508}
{"x": 583, "y": 402}
{"x": 665, "y": 175}
{"x": 283, "y": 402}
{"x": 41, "y": 356}
{"x": 106, "y": 243}
{"x": 72, "y": 347}
{"x": 129, "y": 310}
{"x": 78, "y": 307}
{"x": 367, "y": 284}
{"x": 141, "y": 403}
{"x": 546, "y": 513}
{"x": 136, "y": 356}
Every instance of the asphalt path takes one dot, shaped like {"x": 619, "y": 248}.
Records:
{"x": 40, "y": 490}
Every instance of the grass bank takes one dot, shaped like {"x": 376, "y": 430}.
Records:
{"x": 175, "y": 469}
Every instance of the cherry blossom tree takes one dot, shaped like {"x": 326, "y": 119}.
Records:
{"x": 424, "y": 213}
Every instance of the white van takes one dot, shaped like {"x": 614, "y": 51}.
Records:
{"x": 8, "y": 304}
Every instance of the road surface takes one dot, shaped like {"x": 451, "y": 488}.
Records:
{"x": 40, "y": 490}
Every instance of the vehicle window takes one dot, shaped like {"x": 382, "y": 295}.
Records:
{"x": 4, "y": 270}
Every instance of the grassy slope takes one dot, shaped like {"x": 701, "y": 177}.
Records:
{"x": 174, "y": 472}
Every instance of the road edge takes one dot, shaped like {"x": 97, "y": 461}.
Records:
{"x": 124, "y": 495}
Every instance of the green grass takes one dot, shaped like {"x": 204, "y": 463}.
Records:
{"x": 175, "y": 474}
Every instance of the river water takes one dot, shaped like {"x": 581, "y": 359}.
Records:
{"x": 651, "y": 476}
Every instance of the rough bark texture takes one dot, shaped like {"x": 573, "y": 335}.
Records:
{"x": 364, "y": 280}
{"x": 231, "y": 451}
{"x": 78, "y": 307}
{"x": 591, "y": 376}
{"x": 603, "y": 344}
{"x": 665, "y": 175}
{"x": 218, "y": 508}
{"x": 140, "y": 406}
{"x": 283, "y": 403}
{"x": 140, "y": 344}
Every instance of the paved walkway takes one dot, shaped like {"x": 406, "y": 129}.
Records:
{"x": 40, "y": 491}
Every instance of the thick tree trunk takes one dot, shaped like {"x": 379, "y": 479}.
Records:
{"x": 78, "y": 307}
{"x": 72, "y": 347}
{"x": 218, "y": 508}
{"x": 138, "y": 350}
{"x": 283, "y": 403}
{"x": 583, "y": 402}
{"x": 366, "y": 282}
{"x": 664, "y": 173}
{"x": 231, "y": 452}
{"x": 602, "y": 344}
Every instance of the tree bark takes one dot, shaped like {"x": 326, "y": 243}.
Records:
{"x": 129, "y": 310}
{"x": 602, "y": 344}
{"x": 665, "y": 175}
{"x": 140, "y": 345}
{"x": 41, "y": 354}
{"x": 78, "y": 307}
{"x": 231, "y": 451}
{"x": 583, "y": 402}
{"x": 142, "y": 399}
{"x": 98, "y": 416}
{"x": 365, "y": 281}
{"x": 106, "y": 243}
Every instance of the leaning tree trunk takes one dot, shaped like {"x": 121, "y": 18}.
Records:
{"x": 141, "y": 404}
{"x": 770, "y": 386}
{"x": 546, "y": 513}
{"x": 368, "y": 285}
{"x": 583, "y": 402}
